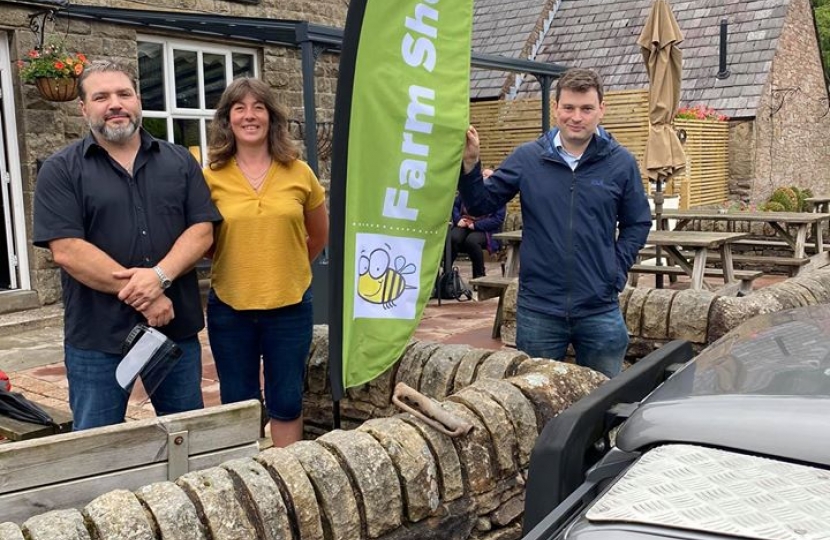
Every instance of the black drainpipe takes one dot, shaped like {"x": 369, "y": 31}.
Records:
{"x": 723, "y": 73}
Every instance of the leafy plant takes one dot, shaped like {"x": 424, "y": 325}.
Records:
{"x": 700, "y": 112}
{"x": 788, "y": 199}
{"x": 52, "y": 61}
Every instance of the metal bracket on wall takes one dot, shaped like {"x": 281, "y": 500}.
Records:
{"x": 37, "y": 24}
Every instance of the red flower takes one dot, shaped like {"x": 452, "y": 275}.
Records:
{"x": 59, "y": 64}
{"x": 34, "y": 54}
{"x": 79, "y": 68}
{"x": 81, "y": 57}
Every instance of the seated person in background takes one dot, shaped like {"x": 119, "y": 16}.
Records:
{"x": 473, "y": 235}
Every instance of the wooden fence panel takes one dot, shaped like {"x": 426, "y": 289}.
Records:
{"x": 503, "y": 125}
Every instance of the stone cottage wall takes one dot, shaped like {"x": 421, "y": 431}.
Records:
{"x": 391, "y": 478}
{"x": 45, "y": 127}
{"x": 792, "y": 120}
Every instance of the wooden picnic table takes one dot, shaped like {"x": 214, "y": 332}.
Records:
{"x": 512, "y": 241}
{"x": 819, "y": 203}
{"x": 671, "y": 241}
{"x": 779, "y": 221}
{"x": 699, "y": 242}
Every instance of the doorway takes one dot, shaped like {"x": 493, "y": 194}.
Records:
{"x": 14, "y": 265}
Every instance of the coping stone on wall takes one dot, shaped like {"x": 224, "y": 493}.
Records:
{"x": 450, "y": 478}
{"x": 213, "y": 493}
{"x": 655, "y": 321}
{"x": 414, "y": 463}
{"x": 297, "y": 491}
{"x": 519, "y": 410}
{"x": 551, "y": 386}
{"x": 500, "y": 365}
{"x": 634, "y": 309}
{"x": 261, "y": 498}
{"x": 364, "y": 459}
{"x": 475, "y": 450}
{"x": 56, "y": 525}
{"x": 467, "y": 367}
{"x": 818, "y": 287}
{"x": 412, "y": 363}
{"x": 440, "y": 370}
{"x": 497, "y": 423}
{"x": 114, "y": 512}
{"x": 174, "y": 513}
{"x": 331, "y": 483}
{"x": 10, "y": 531}
{"x": 689, "y": 316}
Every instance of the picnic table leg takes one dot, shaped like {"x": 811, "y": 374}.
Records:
{"x": 726, "y": 259}
{"x": 512, "y": 263}
{"x": 801, "y": 241}
{"x": 699, "y": 268}
{"x": 818, "y": 237}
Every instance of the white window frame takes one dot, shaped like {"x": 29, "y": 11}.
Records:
{"x": 172, "y": 111}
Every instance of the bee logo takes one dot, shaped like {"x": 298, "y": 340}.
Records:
{"x": 379, "y": 282}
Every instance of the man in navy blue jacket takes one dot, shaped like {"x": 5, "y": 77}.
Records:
{"x": 585, "y": 216}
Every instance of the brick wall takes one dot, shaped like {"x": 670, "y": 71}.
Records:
{"x": 792, "y": 122}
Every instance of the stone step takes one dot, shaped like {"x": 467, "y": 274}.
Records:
{"x": 31, "y": 319}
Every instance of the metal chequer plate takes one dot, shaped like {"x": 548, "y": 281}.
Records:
{"x": 720, "y": 492}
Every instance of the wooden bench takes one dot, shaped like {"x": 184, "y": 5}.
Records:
{"x": 15, "y": 430}
{"x": 744, "y": 277}
{"x": 71, "y": 469}
{"x": 792, "y": 264}
{"x": 491, "y": 287}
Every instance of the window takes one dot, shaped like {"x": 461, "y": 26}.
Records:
{"x": 181, "y": 83}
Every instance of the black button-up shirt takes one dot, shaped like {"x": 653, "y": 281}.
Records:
{"x": 82, "y": 192}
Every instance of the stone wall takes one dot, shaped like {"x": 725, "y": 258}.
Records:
{"x": 45, "y": 127}
{"x": 391, "y": 478}
{"x": 792, "y": 120}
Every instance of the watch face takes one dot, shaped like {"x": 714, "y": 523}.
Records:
{"x": 165, "y": 283}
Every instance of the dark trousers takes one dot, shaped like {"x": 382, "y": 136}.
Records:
{"x": 471, "y": 242}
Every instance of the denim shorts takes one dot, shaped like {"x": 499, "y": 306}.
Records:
{"x": 279, "y": 339}
{"x": 97, "y": 400}
{"x": 600, "y": 341}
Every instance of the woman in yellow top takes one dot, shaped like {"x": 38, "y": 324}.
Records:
{"x": 274, "y": 225}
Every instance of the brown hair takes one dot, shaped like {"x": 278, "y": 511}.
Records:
{"x": 101, "y": 66}
{"x": 579, "y": 80}
{"x": 222, "y": 144}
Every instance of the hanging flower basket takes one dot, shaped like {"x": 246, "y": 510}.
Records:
{"x": 53, "y": 70}
{"x": 57, "y": 89}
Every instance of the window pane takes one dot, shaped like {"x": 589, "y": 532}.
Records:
{"x": 187, "y": 134}
{"x": 243, "y": 65}
{"x": 214, "y": 78}
{"x": 151, "y": 76}
{"x": 157, "y": 127}
{"x": 187, "y": 79}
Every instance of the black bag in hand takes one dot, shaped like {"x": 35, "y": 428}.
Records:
{"x": 452, "y": 287}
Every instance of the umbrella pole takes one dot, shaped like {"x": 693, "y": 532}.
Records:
{"x": 658, "y": 212}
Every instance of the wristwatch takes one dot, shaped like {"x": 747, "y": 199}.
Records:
{"x": 164, "y": 281}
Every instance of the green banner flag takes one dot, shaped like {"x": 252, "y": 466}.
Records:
{"x": 409, "y": 111}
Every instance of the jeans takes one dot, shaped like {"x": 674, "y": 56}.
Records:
{"x": 600, "y": 341}
{"x": 280, "y": 338}
{"x": 97, "y": 400}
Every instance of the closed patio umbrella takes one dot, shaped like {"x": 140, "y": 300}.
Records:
{"x": 664, "y": 155}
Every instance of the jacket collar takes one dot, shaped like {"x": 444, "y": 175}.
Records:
{"x": 601, "y": 145}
